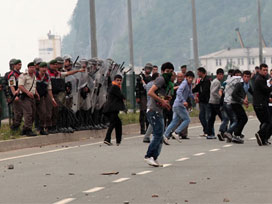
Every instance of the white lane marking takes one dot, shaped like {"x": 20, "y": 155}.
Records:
{"x": 166, "y": 165}
{"x": 214, "y": 150}
{"x": 183, "y": 159}
{"x": 59, "y": 150}
{"x": 92, "y": 190}
{"x": 121, "y": 180}
{"x": 64, "y": 201}
{"x": 144, "y": 172}
{"x": 78, "y": 146}
{"x": 228, "y": 145}
{"x": 199, "y": 154}
{"x": 253, "y": 138}
{"x": 38, "y": 153}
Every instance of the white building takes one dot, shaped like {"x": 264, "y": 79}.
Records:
{"x": 241, "y": 58}
{"x": 50, "y": 48}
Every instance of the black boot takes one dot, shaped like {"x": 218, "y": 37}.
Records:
{"x": 43, "y": 132}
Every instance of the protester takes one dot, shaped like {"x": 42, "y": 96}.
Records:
{"x": 239, "y": 97}
{"x": 158, "y": 102}
{"x": 214, "y": 102}
{"x": 114, "y": 104}
{"x": 147, "y": 88}
{"x": 261, "y": 98}
{"x": 203, "y": 89}
{"x": 180, "y": 108}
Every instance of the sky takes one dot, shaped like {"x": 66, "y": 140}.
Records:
{"x": 24, "y": 22}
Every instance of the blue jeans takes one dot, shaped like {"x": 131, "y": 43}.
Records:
{"x": 225, "y": 121}
{"x": 232, "y": 117}
{"x": 180, "y": 114}
{"x": 155, "y": 119}
{"x": 204, "y": 116}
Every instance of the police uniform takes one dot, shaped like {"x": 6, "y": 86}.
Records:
{"x": 16, "y": 104}
{"x": 27, "y": 103}
{"x": 142, "y": 96}
{"x": 58, "y": 90}
{"x": 43, "y": 84}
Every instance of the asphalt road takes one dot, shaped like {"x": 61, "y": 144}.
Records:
{"x": 195, "y": 171}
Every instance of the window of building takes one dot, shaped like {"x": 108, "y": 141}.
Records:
{"x": 220, "y": 62}
{"x": 242, "y": 61}
{"x": 216, "y": 62}
{"x": 264, "y": 60}
{"x": 253, "y": 61}
{"x": 239, "y": 61}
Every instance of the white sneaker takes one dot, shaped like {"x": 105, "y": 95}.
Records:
{"x": 176, "y": 136}
{"x": 151, "y": 162}
{"x": 203, "y": 135}
{"x": 165, "y": 140}
{"x": 159, "y": 165}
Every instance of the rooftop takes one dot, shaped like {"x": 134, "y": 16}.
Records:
{"x": 238, "y": 52}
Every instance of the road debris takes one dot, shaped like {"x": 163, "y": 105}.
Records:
{"x": 110, "y": 173}
{"x": 155, "y": 196}
{"x": 71, "y": 174}
{"x": 133, "y": 174}
{"x": 192, "y": 182}
{"x": 226, "y": 200}
{"x": 10, "y": 166}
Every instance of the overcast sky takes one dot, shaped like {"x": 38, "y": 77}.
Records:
{"x": 24, "y": 22}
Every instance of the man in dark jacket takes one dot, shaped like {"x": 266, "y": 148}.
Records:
{"x": 260, "y": 102}
{"x": 141, "y": 95}
{"x": 239, "y": 97}
{"x": 114, "y": 104}
{"x": 203, "y": 89}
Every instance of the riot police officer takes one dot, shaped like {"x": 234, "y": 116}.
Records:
{"x": 141, "y": 95}
{"x": 27, "y": 86}
{"x": 44, "y": 89}
{"x": 58, "y": 90}
{"x": 15, "y": 100}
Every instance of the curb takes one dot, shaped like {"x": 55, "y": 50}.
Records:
{"x": 43, "y": 140}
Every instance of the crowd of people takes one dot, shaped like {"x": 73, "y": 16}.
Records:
{"x": 167, "y": 98}
{"x": 63, "y": 96}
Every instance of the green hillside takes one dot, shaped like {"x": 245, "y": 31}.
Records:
{"x": 162, "y": 29}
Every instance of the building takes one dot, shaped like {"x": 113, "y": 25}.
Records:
{"x": 240, "y": 58}
{"x": 50, "y": 48}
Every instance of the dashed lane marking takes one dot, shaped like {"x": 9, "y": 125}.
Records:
{"x": 121, "y": 180}
{"x": 214, "y": 150}
{"x": 84, "y": 145}
{"x": 92, "y": 190}
{"x": 64, "y": 201}
{"x": 166, "y": 165}
{"x": 228, "y": 145}
{"x": 253, "y": 138}
{"x": 183, "y": 159}
{"x": 199, "y": 154}
{"x": 144, "y": 172}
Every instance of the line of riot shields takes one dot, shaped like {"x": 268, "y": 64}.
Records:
{"x": 86, "y": 94}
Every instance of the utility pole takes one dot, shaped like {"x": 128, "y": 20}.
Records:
{"x": 260, "y": 33}
{"x": 93, "y": 29}
{"x": 196, "y": 59}
{"x": 130, "y": 35}
{"x": 131, "y": 54}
